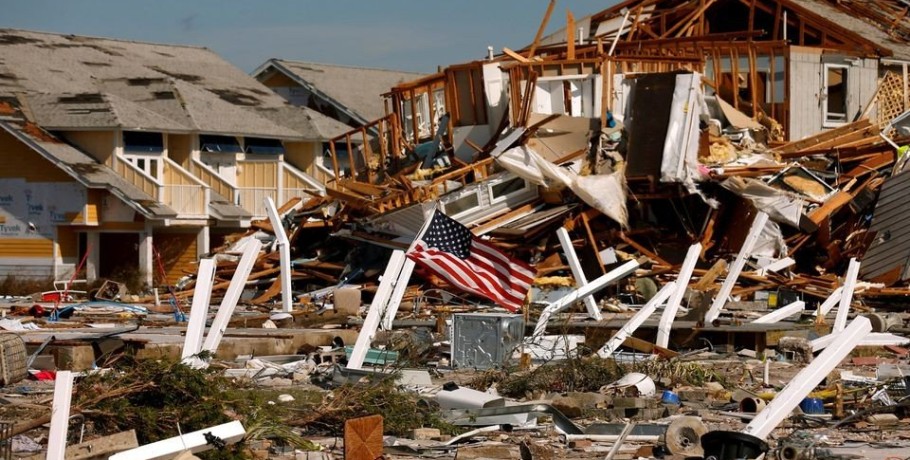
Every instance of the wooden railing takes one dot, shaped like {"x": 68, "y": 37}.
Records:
{"x": 137, "y": 177}
{"x": 251, "y": 199}
{"x": 299, "y": 181}
{"x": 218, "y": 184}
{"x": 184, "y": 192}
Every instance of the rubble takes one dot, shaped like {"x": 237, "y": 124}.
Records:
{"x": 498, "y": 262}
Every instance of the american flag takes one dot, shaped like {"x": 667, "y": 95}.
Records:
{"x": 450, "y": 251}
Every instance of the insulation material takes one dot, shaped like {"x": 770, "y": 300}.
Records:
{"x": 781, "y": 206}
{"x": 604, "y": 192}
{"x": 32, "y": 209}
{"x": 680, "y": 150}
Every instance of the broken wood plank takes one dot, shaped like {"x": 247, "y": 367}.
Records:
{"x": 514, "y": 55}
{"x": 540, "y": 30}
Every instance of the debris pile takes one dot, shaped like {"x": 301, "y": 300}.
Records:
{"x": 581, "y": 241}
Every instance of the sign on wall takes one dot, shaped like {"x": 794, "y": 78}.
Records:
{"x": 32, "y": 209}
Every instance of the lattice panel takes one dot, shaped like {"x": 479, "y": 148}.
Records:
{"x": 890, "y": 99}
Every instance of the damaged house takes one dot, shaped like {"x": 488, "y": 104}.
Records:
{"x": 138, "y": 157}
{"x": 650, "y": 126}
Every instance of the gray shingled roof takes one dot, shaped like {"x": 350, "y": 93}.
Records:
{"x": 309, "y": 123}
{"x": 95, "y": 110}
{"x": 356, "y": 88}
{"x": 153, "y": 86}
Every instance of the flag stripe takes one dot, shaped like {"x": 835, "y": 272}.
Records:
{"x": 449, "y": 250}
{"x": 461, "y": 273}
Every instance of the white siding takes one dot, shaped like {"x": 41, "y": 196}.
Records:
{"x": 805, "y": 88}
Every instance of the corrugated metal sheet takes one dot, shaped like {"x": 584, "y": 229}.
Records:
{"x": 889, "y": 253}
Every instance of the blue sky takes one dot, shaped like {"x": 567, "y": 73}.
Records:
{"x": 416, "y": 35}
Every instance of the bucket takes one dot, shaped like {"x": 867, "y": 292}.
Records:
{"x": 812, "y": 406}
{"x": 732, "y": 445}
{"x": 669, "y": 397}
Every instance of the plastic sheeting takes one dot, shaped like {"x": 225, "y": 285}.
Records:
{"x": 604, "y": 192}
{"x": 680, "y": 155}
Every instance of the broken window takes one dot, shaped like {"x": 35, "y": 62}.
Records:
{"x": 143, "y": 142}
{"x": 835, "y": 94}
{"x": 424, "y": 118}
{"x": 224, "y": 144}
{"x": 502, "y": 190}
{"x": 461, "y": 205}
{"x": 258, "y": 145}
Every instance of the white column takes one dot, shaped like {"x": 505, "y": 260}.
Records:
{"x": 577, "y": 272}
{"x": 629, "y": 328}
{"x": 781, "y": 313}
{"x": 843, "y": 309}
{"x": 284, "y": 252}
{"x": 203, "y": 241}
{"x": 93, "y": 245}
{"x": 807, "y": 379}
{"x": 682, "y": 283}
{"x": 195, "y": 328}
{"x": 596, "y": 285}
{"x": 401, "y": 284}
{"x": 374, "y": 314}
{"x": 146, "y": 257}
{"x": 60, "y": 416}
{"x": 232, "y": 296}
{"x": 758, "y": 224}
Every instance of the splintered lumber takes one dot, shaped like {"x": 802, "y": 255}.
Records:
{"x": 707, "y": 278}
{"x": 831, "y": 205}
{"x": 512, "y": 54}
{"x": 794, "y": 149}
{"x": 540, "y": 30}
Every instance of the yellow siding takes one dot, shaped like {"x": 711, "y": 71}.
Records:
{"x": 19, "y": 161}
{"x": 179, "y": 148}
{"x": 300, "y": 154}
{"x": 278, "y": 79}
{"x": 178, "y": 255}
{"x": 258, "y": 174}
{"x": 98, "y": 144}
{"x": 27, "y": 248}
{"x": 67, "y": 241}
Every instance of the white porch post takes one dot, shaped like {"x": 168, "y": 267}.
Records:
{"x": 203, "y": 241}
{"x": 93, "y": 245}
{"x": 146, "y": 258}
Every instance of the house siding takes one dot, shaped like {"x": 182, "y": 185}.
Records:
{"x": 98, "y": 144}
{"x": 178, "y": 255}
{"x": 805, "y": 87}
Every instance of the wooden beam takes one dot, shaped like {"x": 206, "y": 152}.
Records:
{"x": 516, "y": 56}
{"x": 543, "y": 26}
{"x": 570, "y": 35}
